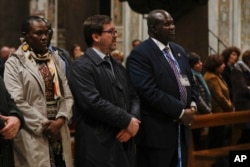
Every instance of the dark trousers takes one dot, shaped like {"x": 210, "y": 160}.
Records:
{"x": 148, "y": 157}
{"x": 6, "y": 154}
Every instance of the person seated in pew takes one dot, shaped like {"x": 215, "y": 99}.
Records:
{"x": 214, "y": 66}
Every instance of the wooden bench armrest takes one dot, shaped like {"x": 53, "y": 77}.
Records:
{"x": 218, "y": 119}
{"x": 221, "y": 151}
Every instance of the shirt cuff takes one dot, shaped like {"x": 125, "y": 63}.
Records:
{"x": 182, "y": 113}
{"x": 193, "y": 104}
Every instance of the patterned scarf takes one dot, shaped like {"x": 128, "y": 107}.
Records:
{"x": 46, "y": 58}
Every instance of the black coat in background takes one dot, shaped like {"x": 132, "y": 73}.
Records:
{"x": 241, "y": 86}
{"x": 226, "y": 74}
{"x": 7, "y": 108}
{"x": 104, "y": 106}
{"x": 1, "y": 66}
{"x": 241, "y": 91}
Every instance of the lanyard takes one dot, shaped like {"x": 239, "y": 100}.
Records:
{"x": 179, "y": 163}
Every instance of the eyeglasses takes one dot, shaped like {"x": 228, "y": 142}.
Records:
{"x": 111, "y": 32}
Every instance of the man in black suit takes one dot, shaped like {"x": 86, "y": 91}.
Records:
{"x": 167, "y": 95}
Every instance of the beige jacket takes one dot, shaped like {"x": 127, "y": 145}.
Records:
{"x": 26, "y": 86}
{"x": 220, "y": 93}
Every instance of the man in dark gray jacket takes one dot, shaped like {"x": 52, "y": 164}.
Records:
{"x": 107, "y": 108}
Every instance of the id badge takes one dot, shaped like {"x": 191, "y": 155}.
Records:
{"x": 184, "y": 80}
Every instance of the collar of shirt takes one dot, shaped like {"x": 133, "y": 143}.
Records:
{"x": 99, "y": 53}
{"x": 162, "y": 46}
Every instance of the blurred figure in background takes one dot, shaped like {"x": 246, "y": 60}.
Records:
{"x": 12, "y": 49}
{"x": 135, "y": 43}
{"x": 5, "y": 52}
{"x": 204, "y": 101}
{"x": 221, "y": 102}
{"x": 204, "y": 95}
{"x": 241, "y": 90}
{"x": 76, "y": 52}
{"x": 231, "y": 56}
{"x": 118, "y": 56}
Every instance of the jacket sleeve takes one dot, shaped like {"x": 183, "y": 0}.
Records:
{"x": 13, "y": 82}
{"x": 134, "y": 100}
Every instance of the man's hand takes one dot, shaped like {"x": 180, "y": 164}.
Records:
{"x": 133, "y": 126}
{"x": 123, "y": 135}
{"x": 12, "y": 126}
{"x": 188, "y": 117}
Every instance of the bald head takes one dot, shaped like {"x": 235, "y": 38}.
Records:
{"x": 155, "y": 16}
{"x": 161, "y": 25}
{"x": 5, "y": 51}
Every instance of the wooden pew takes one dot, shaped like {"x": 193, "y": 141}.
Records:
{"x": 207, "y": 157}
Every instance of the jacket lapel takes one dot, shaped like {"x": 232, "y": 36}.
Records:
{"x": 178, "y": 56}
{"x": 32, "y": 68}
{"x": 98, "y": 61}
{"x": 159, "y": 54}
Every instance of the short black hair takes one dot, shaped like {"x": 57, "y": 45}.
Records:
{"x": 27, "y": 22}
{"x": 193, "y": 58}
{"x": 213, "y": 62}
{"x": 94, "y": 24}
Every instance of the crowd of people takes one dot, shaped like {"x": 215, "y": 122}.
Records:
{"x": 133, "y": 115}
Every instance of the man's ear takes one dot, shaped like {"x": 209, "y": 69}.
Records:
{"x": 153, "y": 29}
{"x": 96, "y": 37}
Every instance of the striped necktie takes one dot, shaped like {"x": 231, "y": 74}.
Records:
{"x": 183, "y": 95}
{"x": 174, "y": 65}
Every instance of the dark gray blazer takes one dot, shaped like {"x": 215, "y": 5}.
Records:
{"x": 104, "y": 105}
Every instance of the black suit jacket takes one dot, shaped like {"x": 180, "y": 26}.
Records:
{"x": 155, "y": 82}
{"x": 1, "y": 66}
